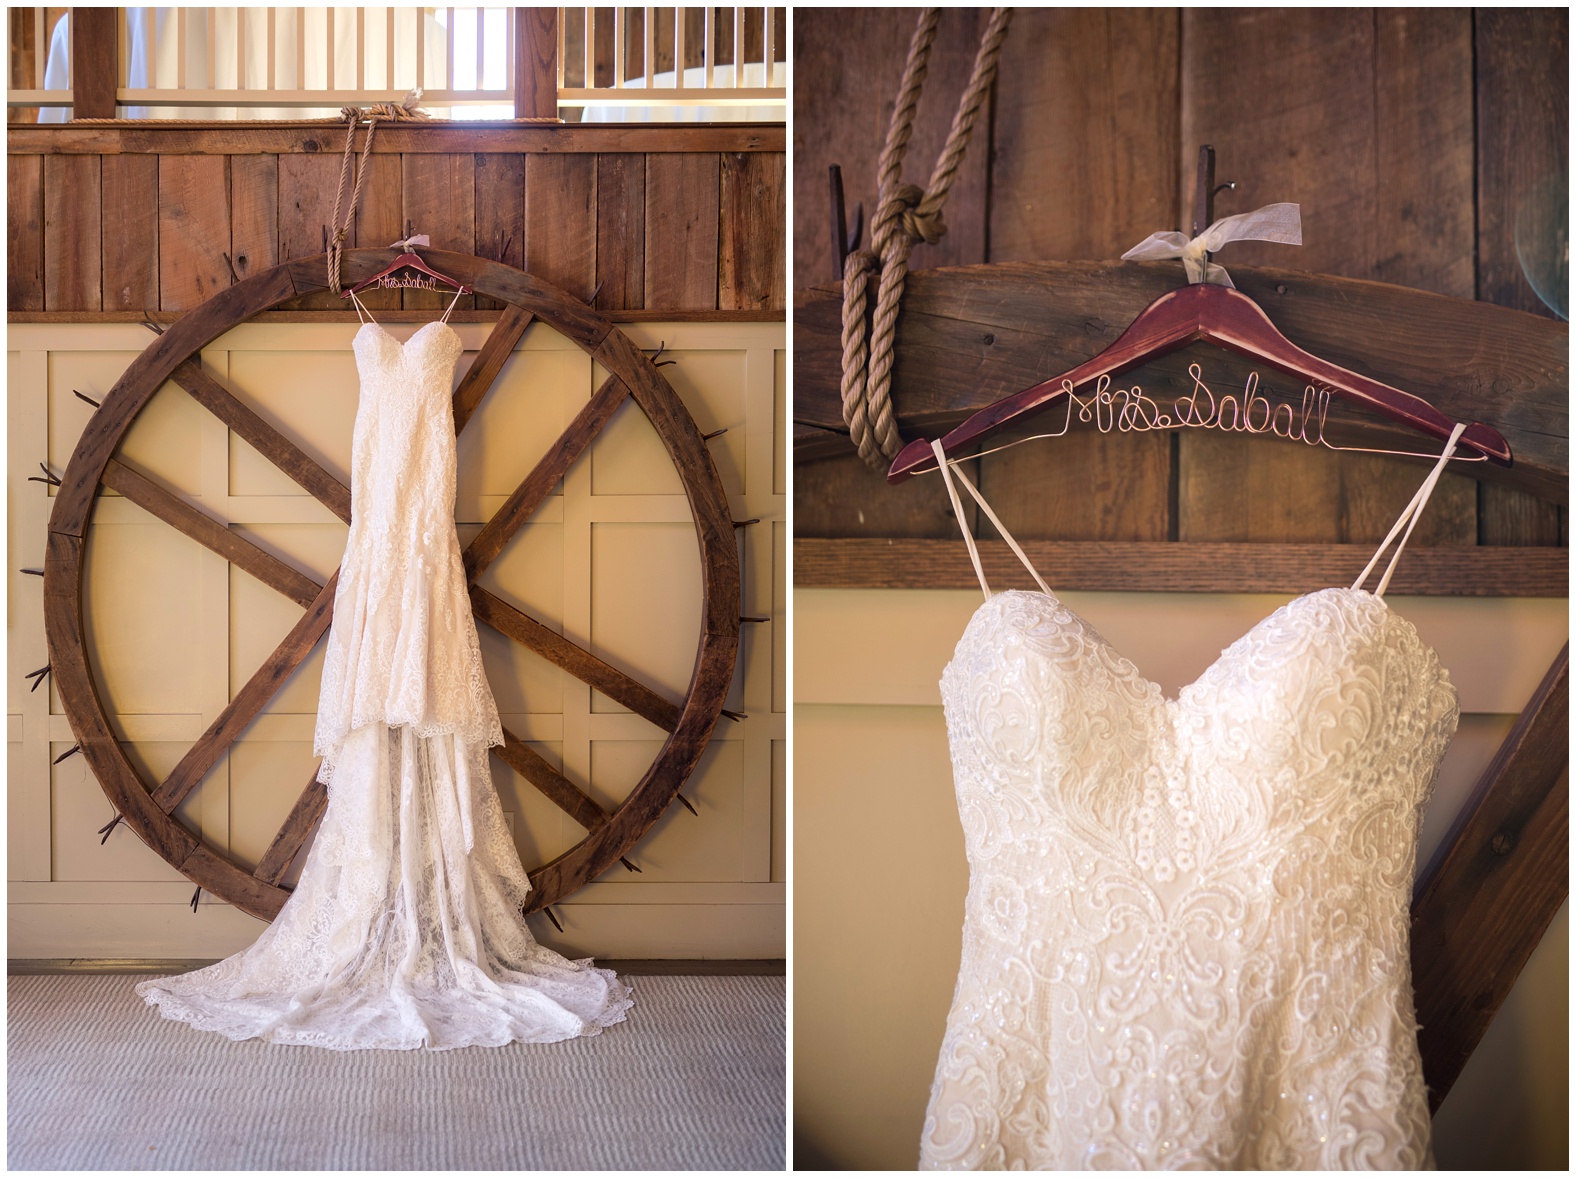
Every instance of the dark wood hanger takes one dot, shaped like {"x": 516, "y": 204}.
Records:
{"x": 1219, "y": 315}
{"x": 413, "y": 260}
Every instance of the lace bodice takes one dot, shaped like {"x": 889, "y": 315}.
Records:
{"x": 403, "y": 648}
{"x": 1185, "y": 941}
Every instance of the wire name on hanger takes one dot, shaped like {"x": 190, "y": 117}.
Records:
{"x": 389, "y": 280}
{"x": 1132, "y": 410}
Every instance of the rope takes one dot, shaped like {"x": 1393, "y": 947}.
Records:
{"x": 905, "y": 214}
{"x": 392, "y": 111}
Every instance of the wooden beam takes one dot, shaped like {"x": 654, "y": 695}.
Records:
{"x": 1175, "y": 567}
{"x": 970, "y": 335}
{"x": 1482, "y": 908}
{"x": 489, "y": 363}
{"x": 292, "y": 835}
{"x": 95, "y": 62}
{"x": 557, "y": 788}
{"x": 536, "y": 63}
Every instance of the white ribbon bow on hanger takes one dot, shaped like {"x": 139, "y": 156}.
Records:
{"x": 1281, "y": 222}
{"x": 409, "y": 243}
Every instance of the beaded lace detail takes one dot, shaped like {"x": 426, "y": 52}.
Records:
{"x": 1186, "y": 937}
{"x": 405, "y": 928}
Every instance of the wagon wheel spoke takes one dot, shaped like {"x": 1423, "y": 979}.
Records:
{"x": 250, "y": 700}
{"x": 489, "y": 363}
{"x": 537, "y": 485}
{"x": 291, "y": 837}
{"x": 210, "y": 533}
{"x": 557, "y": 788}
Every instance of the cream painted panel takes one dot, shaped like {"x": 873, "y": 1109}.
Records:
{"x": 18, "y": 830}
{"x": 779, "y": 616}
{"x": 680, "y": 847}
{"x": 310, "y": 397}
{"x": 315, "y": 549}
{"x": 266, "y": 778}
{"x": 531, "y": 402}
{"x": 889, "y": 645}
{"x": 628, "y": 457}
{"x": 529, "y": 575}
{"x": 779, "y": 810}
{"x": 162, "y": 442}
{"x": 646, "y": 599}
{"x": 143, "y": 584}
{"x": 780, "y": 421}
{"x": 80, "y": 809}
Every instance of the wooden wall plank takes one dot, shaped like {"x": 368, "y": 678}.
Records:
{"x": 621, "y": 232}
{"x": 1523, "y": 128}
{"x": 561, "y": 221}
{"x": 682, "y": 195}
{"x": 752, "y": 256}
{"x": 25, "y": 232}
{"x": 843, "y": 497}
{"x": 1085, "y": 133}
{"x": 73, "y": 271}
{"x": 307, "y": 183}
{"x": 500, "y": 212}
{"x": 440, "y": 201}
{"x": 254, "y": 212}
{"x": 848, "y": 65}
{"x": 194, "y": 229}
{"x": 380, "y": 219}
{"x": 130, "y": 187}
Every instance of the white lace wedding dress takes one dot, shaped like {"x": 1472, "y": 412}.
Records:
{"x": 405, "y": 928}
{"x": 1186, "y": 934}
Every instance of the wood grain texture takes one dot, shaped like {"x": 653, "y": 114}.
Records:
{"x": 752, "y": 255}
{"x": 579, "y": 662}
{"x": 682, "y": 199}
{"x": 292, "y": 834}
{"x": 500, "y": 212}
{"x": 439, "y": 136}
{"x": 561, "y": 221}
{"x": 841, "y": 496}
{"x": 129, "y": 185}
{"x": 254, "y": 212}
{"x": 307, "y": 184}
{"x": 557, "y": 788}
{"x": 194, "y": 229}
{"x": 972, "y": 335}
{"x": 848, "y": 64}
{"x": 1523, "y": 129}
{"x": 73, "y": 269}
{"x": 620, "y": 231}
{"x": 1481, "y": 910}
{"x": 380, "y": 219}
{"x": 536, "y": 63}
{"x": 1175, "y": 568}
{"x": 1117, "y": 488}
{"x": 25, "y": 232}
{"x": 95, "y": 62}
{"x": 1085, "y": 133}
{"x": 440, "y": 201}
{"x": 210, "y": 533}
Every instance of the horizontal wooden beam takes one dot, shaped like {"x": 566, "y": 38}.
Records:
{"x": 391, "y": 316}
{"x": 1175, "y": 567}
{"x": 439, "y": 136}
{"x": 970, "y": 335}
{"x": 1484, "y": 906}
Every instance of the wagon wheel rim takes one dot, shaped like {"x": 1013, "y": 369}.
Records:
{"x": 173, "y": 357}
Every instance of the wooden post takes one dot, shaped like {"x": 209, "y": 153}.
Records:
{"x": 536, "y": 63}
{"x": 95, "y": 62}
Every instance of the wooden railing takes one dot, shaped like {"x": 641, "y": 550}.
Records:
{"x": 309, "y": 62}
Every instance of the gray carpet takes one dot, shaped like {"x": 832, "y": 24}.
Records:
{"x": 695, "y": 1079}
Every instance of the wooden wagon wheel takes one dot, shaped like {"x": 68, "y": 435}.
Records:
{"x": 174, "y": 357}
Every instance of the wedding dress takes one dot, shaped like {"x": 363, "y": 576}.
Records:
{"x": 1185, "y": 941}
{"x": 405, "y": 928}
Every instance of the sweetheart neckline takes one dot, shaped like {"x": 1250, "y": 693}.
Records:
{"x": 399, "y": 343}
{"x": 1186, "y": 687}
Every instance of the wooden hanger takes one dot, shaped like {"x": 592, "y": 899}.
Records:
{"x": 1219, "y": 315}
{"x": 413, "y": 260}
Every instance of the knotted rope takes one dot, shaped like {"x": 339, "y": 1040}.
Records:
{"x": 353, "y": 115}
{"x": 905, "y": 214}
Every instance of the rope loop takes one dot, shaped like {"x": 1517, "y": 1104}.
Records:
{"x": 905, "y": 215}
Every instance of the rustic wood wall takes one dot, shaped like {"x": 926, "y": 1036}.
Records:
{"x": 114, "y": 221}
{"x": 1410, "y": 138}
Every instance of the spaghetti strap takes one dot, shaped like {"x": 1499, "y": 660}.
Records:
{"x": 1409, "y": 517}
{"x": 948, "y": 471}
{"x": 366, "y": 315}
{"x": 452, "y": 305}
